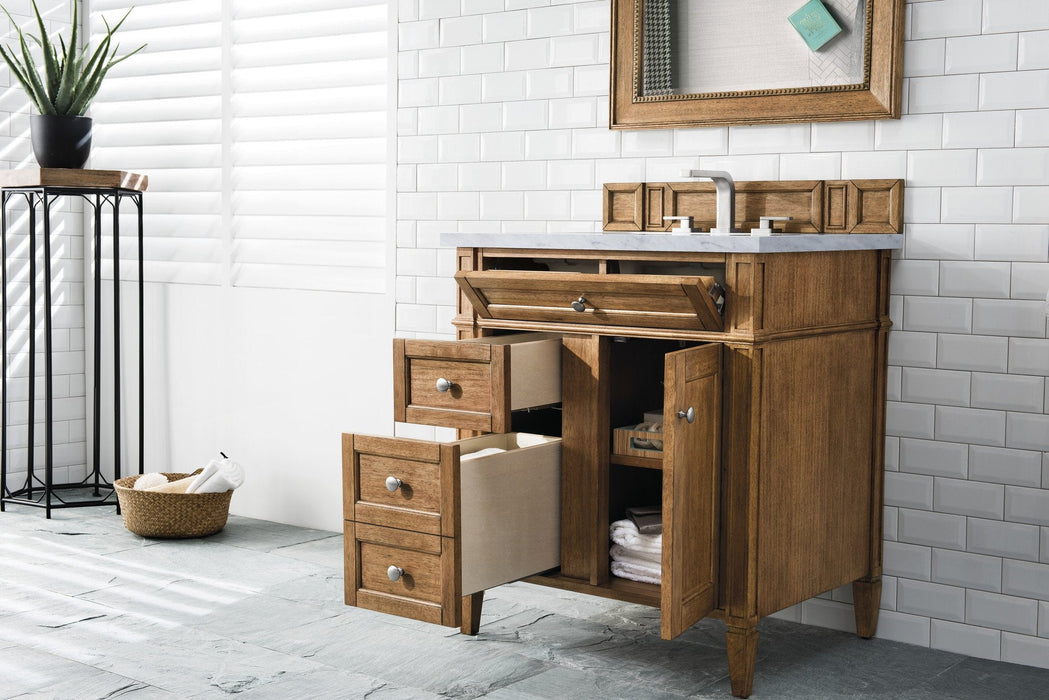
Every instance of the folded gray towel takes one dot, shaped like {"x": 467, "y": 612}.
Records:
{"x": 649, "y": 519}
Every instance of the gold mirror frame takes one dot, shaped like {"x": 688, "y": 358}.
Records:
{"x": 879, "y": 96}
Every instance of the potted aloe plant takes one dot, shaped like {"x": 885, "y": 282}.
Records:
{"x": 62, "y": 89}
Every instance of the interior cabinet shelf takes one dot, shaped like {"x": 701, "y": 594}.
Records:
{"x": 632, "y": 461}
{"x": 622, "y": 589}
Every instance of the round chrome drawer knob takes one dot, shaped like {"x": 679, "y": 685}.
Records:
{"x": 579, "y": 304}
{"x": 395, "y": 573}
{"x": 443, "y": 385}
{"x": 689, "y": 415}
{"x": 393, "y": 483}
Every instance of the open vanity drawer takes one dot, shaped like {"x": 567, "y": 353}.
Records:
{"x": 427, "y": 523}
{"x": 474, "y": 384}
{"x": 679, "y": 302}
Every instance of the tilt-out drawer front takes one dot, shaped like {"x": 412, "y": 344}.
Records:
{"x": 641, "y": 301}
{"x": 475, "y": 384}
{"x": 500, "y": 521}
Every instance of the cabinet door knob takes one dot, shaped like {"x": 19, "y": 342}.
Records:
{"x": 393, "y": 483}
{"x": 689, "y": 414}
{"x": 579, "y": 304}
{"x": 444, "y": 385}
{"x": 394, "y": 573}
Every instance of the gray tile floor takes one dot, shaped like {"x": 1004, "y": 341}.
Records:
{"x": 88, "y": 610}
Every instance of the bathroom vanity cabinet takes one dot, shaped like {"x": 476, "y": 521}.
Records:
{"x": 767, "y": 357}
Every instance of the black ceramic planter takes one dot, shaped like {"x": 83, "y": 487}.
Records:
{"x": 60, "y": 142}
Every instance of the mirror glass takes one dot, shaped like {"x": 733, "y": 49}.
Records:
{"x": 697, "y": 47}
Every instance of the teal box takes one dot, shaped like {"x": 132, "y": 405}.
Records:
{"x": 815, "y": 24}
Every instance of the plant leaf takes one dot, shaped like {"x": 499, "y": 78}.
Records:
{"x": 17, "y": 71}
{"x": 91, "y": 79}
{"x": 68, "y": 83}
{"x": 27, "y": 70}
{"x": 51, "y": 74}
{"x": 83, "y": 77}
{"x": 64, "y": 94}
{"x": 39, "y": 93}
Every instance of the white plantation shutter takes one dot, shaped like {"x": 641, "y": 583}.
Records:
{"x": 264, "y": 128}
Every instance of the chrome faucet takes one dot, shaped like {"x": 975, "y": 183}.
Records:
{"x": 726, "y": 202}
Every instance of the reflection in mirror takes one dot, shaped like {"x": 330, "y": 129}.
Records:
{"x": 702, "y": 47}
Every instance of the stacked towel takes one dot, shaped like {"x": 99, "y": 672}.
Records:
{"x": 635, "y": 556}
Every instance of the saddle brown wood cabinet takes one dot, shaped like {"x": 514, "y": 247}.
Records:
{"x": 771, "y": 470}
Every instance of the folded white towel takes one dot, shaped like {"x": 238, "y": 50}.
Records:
{"x": 625, "y": 533}
{"x": 219, "y": 476}
{"x": 481, "y": 453}
{"x": 633, "y": 556}
{"x": 634, "y": 572}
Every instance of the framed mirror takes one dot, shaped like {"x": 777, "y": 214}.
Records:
{"x": 687, "y": 63}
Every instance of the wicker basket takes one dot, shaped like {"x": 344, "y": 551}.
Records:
{"x": 171, "y": 515}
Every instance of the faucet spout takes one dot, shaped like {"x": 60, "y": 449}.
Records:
{"x": 726, "y": 202}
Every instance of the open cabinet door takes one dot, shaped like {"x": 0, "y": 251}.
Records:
{"x": 691, "y": 458}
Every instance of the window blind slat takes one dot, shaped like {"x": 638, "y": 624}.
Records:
{"x": 321, "y": 253}
{"x": 268, "y": 8}
{"x": 365, "y": 98}
{"x": 322, "y": 76}
{"x": 313, "y": 277}
{"x": 167, "y": 133}
{"x": 318, "y": 202}
{"x": 181, "y": 109}
{"x": 298, "y": 51}
{"x": 343, "y": 228}
{"x": 146, "y": 88}
{"x": 263, "y": 28}
{"x": 311, "y": 127}
{"x": 336, "y": 178}
{"x": 316, "y": 152}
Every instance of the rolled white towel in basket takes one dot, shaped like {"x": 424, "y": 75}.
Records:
{"x": 150, "y": 481}
{"x": 219, "y": 476}
{"x": 177, "y": 486}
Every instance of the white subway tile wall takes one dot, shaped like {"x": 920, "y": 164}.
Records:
{"x": 503, "y": 127}
{"x": 68, "y": 334}
{"x": 966, "y": 639}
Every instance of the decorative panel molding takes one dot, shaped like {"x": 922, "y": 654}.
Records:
{"x": 815, "y": 206}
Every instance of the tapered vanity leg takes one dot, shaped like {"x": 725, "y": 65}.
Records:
{"x": 742, "y": 646}
{"x": 866, "y": 599}
{"x": 472, "y": 613}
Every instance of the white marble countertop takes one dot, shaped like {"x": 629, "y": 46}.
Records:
{"x": 658, "y": 242}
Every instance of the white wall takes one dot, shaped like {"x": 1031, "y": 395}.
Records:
{"x": 271, "y": 378}
{"x": 503, "y": 126}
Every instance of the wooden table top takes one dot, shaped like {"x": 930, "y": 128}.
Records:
{"x": 66, "y": 177}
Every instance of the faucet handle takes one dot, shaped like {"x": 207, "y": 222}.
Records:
{"x": 765, "y": 225}
{"x": 685, "y": 226}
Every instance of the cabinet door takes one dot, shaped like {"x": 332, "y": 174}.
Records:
{"x": 691, "y": 457}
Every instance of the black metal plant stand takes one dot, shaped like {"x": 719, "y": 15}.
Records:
{"x": 38, "y": 190}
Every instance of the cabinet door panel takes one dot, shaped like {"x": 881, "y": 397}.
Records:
{"x": 691, "y": 458}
